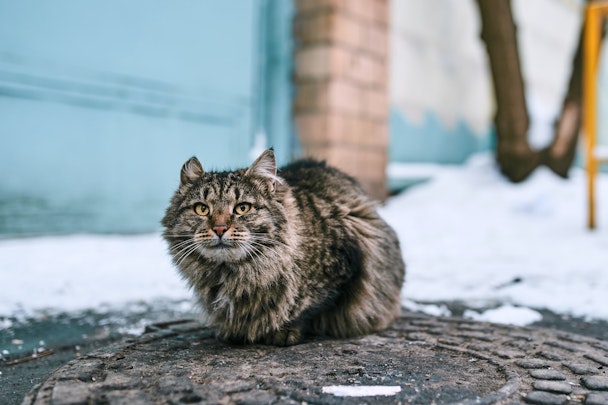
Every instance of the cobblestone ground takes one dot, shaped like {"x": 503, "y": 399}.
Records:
{"x": 430, "y": 360}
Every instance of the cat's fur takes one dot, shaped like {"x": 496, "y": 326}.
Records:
{"x": 310, "y": 256}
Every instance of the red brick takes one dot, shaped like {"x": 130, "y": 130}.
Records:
{"x": 380, "y": 12}
{"x": 334, "y": 27}
{"x": 325, "y": 129}
{"x": 341, "y": 103}
{"x": 345, "y": 97}
{"x": 314, "y": 62}
{"x": 307, "y": 6}
{"x": 375, "y": 104}
{"x": 313, "y": 28}
{"x": 374, "y": 39}
{"x": 329, "y": 95}
{"x": 379, "y": 74}
{"x": 340, "y": 130}
{"x": 361, "y": 9}
{"x": 308, "y": 96}
{"x": 361, "y": 68}
{"x": 322, "y": 61}
{"x": 311, "y": 128}
{"x": 341, "y": 61}
{"x": 346, "y": 29}
{"x": 372, "y": 135}
{"x": 345, "y": 159}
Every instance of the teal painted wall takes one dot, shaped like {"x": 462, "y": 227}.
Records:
{"x": 275, "y": 101}
{"x": 102, "y": 101}
{"x": 431, "y": 141}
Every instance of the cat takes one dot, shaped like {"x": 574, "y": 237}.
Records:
{"x": 274, "y": 257}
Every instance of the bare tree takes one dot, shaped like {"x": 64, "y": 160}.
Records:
{"x": 517, "y": 160}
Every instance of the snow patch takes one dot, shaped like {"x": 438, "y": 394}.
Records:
{"x": 361, "y": 390}
{"x": 429, "y": 309}
{"x": 506, "y": 314}
{"x": 71, "y": 273}
{"x": 468, "y": 231}
{"x": 5, "y": 323}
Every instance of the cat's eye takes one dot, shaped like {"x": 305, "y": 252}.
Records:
{"x": 242, "y": 208}
{"x": 201, "y": 209}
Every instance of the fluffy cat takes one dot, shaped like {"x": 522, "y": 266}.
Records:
{"x": 273, "y": 257}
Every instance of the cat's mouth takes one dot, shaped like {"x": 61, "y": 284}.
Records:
{"x": 223, "y": 251}
{"x": 222, "y": 244}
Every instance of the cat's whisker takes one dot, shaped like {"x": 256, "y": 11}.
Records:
{"x": 271, "y": 244}
{"x": 258, "y": 238}
{"x": 179, "y": 246}
{"x": 183, "y": 235}
{"x": 249, "y": 250}
{"x": 264, "y": 250}
{"x": 187, "y": 254}
{"x": 261, "y": 247}
{"x": 184, "y": 242}
{"x": 185, "y": 250}
{"x": 252, "y": 250}
{"x": 264, "y": 235}
{"x": 182, "y": 254}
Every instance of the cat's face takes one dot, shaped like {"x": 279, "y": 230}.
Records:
{"x": 227, "y": 216}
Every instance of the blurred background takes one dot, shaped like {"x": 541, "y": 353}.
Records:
{"x": 101, "y": 102}
{"x": 461, "y": 116}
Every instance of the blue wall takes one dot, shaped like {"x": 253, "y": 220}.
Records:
{"x": 275, "y": 100}
{"x": 102, "y": 101}
{"x": 431, "y": 141}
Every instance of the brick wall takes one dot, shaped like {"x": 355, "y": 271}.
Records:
{"x": 341, "y": 77}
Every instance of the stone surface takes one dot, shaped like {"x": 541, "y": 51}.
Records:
{"x": 559, "y": 387}
{"x": 597, "y": 398}
{"x": 431, "y": 360}
{"x": 547, "y": 375}
{"x": 599, "y": 383}
{"x": 545, "y": 398}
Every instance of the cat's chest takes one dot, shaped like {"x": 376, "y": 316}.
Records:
{"x": 234, "y": 298}
{"x": 228, "y": 289}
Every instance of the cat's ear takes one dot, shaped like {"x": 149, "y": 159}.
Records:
{"x": 265, "y": 166}
{"x": 191, "y": 170}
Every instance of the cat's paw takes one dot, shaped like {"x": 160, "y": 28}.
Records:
{"x": 287, "y": 336}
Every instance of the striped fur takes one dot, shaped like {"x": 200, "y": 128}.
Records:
{"x": 309, "y": 256}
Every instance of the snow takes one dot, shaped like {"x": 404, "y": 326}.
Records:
{"x": 471, "y": 235}
{"x": 601, "y": 152}
{"x": 71, "y": 273}
{"x": 361, "y": 390}
{"x": 467, "y": 235}
{"x": 507, "y": 314}
{"x": 429, "y": 309}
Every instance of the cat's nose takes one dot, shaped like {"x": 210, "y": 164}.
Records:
{"x": 220, "y": 229}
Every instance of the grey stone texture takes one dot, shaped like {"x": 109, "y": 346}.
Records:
{"x": 432, "y": 360}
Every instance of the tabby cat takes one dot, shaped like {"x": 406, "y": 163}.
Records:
{"x": 273, "y": 257}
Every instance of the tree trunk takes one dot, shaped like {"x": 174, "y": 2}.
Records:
{"x": 513, "y": 153}
{"x": 561, "y": 152}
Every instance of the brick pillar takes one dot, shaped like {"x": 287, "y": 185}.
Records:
{"x": 341, "y": 75}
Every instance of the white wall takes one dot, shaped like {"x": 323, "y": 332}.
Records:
{"x": 439, "y": 64}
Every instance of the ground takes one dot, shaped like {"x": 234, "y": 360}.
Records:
{"x": 71, "y": 337}
{"x": 420, "y": 359}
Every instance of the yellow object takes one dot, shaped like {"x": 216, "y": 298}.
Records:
{"x": 594, "y": 18}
